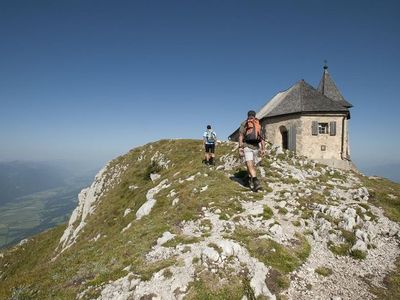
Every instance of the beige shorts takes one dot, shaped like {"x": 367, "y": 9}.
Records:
{"x": 251, "y": 154}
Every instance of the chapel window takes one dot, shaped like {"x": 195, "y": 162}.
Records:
{"x": 323, "y": 128}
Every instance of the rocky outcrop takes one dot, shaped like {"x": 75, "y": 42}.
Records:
{"x": 333, "y": 212}
{"x": 88, "y": 198}
{"x": 169, "y": 227}
{"x": 215, "y": 252}
{"x": 145, "y": 209}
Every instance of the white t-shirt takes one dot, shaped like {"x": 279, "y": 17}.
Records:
{"x": 208, "y": 134}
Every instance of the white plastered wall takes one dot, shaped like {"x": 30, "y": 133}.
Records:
{"x": 307, "y": 144}
{"x": 312, "y": 144}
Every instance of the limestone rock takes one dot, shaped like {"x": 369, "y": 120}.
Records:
{"x": 360, "y": 245}
{"x": 154, "y": 176}
{"x": 148, "y": 205}
{"x": 210, "y": 254}
{"x": 127, "y": 211}
{"x": 165, "y": 238}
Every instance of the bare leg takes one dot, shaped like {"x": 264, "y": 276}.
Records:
{"x": 212, "y": 156}
{"x": 251, "y": 169}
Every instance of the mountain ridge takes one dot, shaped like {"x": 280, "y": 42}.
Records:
{"x": 157, "y": 224}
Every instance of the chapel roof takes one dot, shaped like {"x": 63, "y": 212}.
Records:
{"x": 300, "y": 98}
{"x": 328, "y": 87}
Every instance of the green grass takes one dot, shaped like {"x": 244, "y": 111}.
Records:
{"x": 324, "y": 178}
{"x": 324, "y": 271}
{"x": 306, "y": 213}
{"x": 296, "y": 223}
{"x": 282, "y": 210}
{"x": 379, "y": 190}
{"x": 267, "y": 212}
{"x": 152, "y": 168}
{"x": 349, "y": 236}
{"x": 391, "y": 283}
{"x": 167, "y": 273}
{"x": 210, "y": 286}
{"x": 88, "y": 263}
{"x": 344, "y": 248}
{"x": 358, "y": 254}
{"x": 290, "y": 180}
{"x": 147, "y": 270}
{"x": 285, "y": 259}
{"x": 215, "y": 247}
{"x": 277, "y": 281}
{"x": 181, "y": 239}
{"x": 339, "y": 249}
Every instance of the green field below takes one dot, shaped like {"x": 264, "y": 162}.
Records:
{"x": 37, "y": 212}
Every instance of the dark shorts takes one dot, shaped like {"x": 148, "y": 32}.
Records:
{"x": 210, "y": 148}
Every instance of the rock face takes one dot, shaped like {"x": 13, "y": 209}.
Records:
{"x": 195, "y": 232}
{"x": 88, "y": 198}
{"x": 86, "y": 205}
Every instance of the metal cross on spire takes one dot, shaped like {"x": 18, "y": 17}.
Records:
{"x": 325, "y": 64}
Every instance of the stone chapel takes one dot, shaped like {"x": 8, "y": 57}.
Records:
{"x": 310, "y": 122}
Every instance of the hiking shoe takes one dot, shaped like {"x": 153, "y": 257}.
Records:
{"x": 256, "y": 185}
{"x": 251, "y": 183}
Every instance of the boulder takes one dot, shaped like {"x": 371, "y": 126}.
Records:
{"x": 165, "y": 238}
{"x": 154, "y": 176}
{"x": 360, "y": 245}
{"x": 210, "y": 253}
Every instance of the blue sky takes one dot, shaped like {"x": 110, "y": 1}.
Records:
{"x": 89, "y": 80}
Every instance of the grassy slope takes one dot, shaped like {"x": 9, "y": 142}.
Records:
{"x": 89, "y": 263}
{"x": 386, "y": 194}
{"x": 28, "y": 270}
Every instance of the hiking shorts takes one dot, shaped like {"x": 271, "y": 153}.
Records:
{"x": 210, "y": 148}
{"x": 251, "y": 155}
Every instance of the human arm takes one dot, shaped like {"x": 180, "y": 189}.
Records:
{"x": 262, "y": 147}
{"x": 261, "y": 144}
{"x": 241, "y": 142}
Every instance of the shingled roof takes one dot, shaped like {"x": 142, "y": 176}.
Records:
{"x": 328, "y": 87}
{"x": 301, "y": 97}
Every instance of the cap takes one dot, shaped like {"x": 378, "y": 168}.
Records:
{"x": 208, "y": 126}
{"x": 251, "y": 113}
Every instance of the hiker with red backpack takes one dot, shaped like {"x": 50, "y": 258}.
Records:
{"x": 251, "y": 145}
{"x": 209, "y": 138}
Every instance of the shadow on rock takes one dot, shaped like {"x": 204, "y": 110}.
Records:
{"x": 241, "y": 177}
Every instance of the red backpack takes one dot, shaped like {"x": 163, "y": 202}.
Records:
{"x": 253, "y": 131}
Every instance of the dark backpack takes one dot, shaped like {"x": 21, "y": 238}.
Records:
{"x": 252, "y": 133}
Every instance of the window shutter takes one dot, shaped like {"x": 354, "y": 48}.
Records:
{"x": 332, "y": 128}
{"x": 292, "y": 138}
{"x": 314, "y": 128}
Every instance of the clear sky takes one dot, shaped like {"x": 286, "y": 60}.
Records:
{"x": 89, "y": 80}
